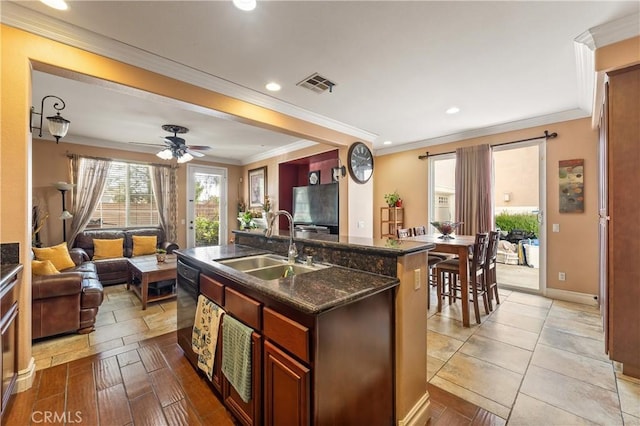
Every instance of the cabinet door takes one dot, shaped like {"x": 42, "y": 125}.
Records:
{"x": 286, "y": 390}
{"x": 247, "y": 413}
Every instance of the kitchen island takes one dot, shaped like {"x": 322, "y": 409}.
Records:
{"x": 341, "y": 345}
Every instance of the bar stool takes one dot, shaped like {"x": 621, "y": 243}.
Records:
{"x": 449, "y": 269}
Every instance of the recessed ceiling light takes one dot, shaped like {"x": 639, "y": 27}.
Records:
{"x": 246, "y": 5}
{"x": 56, "y": 4}
{"x": 387, "y": 143}
{"x": 453, "y": 110}
{"x": 273, "y": 86}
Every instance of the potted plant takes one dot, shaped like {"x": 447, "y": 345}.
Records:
{"x": 161, "y": 255}
{"x": 392, "y": 199}
{"x": 246, "y": 220}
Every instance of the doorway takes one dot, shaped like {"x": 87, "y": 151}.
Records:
{"x": 206, "y": 205}
{"x": 519, "y": 186}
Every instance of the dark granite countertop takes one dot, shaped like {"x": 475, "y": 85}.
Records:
{"x": 311, "y": 292}
{"x": 392, "y": 246}
{"x": 8, "y": 271}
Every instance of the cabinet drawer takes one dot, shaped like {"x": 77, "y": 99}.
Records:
{"x": 243, "y": 308}
{"x": 212, "y": 289}
{"x": 287, "y": 333}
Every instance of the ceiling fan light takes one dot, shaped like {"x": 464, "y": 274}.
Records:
{"x": 185, "y": 157}
{"x": 246, "y": 5}
{"x": 165, "y": 154}
{"x": 58, "y": 126}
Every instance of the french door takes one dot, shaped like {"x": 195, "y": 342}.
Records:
{"x": 206, "y": 205}
{"x": 519, "y": 185}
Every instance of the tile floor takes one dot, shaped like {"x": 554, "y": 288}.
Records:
{"x": 120, "y": 325}
{"x": 532, "y": 361}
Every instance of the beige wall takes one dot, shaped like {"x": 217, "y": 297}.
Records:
{"x": 50, "y": 165}
{"x": 574, "y": 250}
{"x": 516, "y": 173}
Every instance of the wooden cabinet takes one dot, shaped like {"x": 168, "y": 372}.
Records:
{"x": 286, "y": 389}
{"x": 249, "y": 311}
{"x": 308, "y": 369}
{"x": 248, "y": 413}
{"x": 620, "y": 144}
{"x": 391, "y": 218}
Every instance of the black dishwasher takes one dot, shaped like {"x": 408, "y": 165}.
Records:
{"x": 188, "y": 289}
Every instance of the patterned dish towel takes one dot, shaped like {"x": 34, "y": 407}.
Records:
{"x": 204, "y": 336}
{"x": 236, "y": 355}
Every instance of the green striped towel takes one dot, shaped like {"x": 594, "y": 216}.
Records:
{"x": 236, "y": 355}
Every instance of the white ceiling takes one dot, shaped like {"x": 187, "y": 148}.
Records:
{"x": 397, "y": 65}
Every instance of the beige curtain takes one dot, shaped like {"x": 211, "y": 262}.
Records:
{"x": 163, "y": 183}
{"x": 474, "y": 206}
{"x": 90, "y": 177}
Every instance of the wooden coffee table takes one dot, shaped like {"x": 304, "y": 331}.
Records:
{"x": 148, "y": 270}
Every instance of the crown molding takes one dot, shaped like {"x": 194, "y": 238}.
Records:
{"x": 36, "y": 23}
{"x": 590, "y": 94}
{"x": 611, "y": 32}
{"x": 542, "y": 120}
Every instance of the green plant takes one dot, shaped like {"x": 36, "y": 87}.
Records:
{"x": 392, "y": 198}
{"x": 523, "y": 221}
{"x": 246, "y": 220}
{"x": 207, "y": 231}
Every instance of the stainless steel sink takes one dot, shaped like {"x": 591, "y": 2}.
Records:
{"x": 280, "y": 271}
{"x": 254, "y": 262}
{"x": 269, "y": 266}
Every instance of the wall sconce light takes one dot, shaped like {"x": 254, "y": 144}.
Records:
{"x": 338, "y": 172}
{"x": 507, "y": 197}
{"x": 58, "y": 125}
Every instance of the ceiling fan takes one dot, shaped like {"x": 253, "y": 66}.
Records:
{"x": 177, "y": 147}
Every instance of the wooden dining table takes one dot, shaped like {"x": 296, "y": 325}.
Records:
{"x": 462, "y": 246}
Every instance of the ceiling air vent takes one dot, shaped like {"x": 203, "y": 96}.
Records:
{"x": 317, "y": 83}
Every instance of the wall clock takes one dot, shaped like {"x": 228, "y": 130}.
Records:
{"x": 360, "y": 160}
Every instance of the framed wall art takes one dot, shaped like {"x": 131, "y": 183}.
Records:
{"x": 257, "y": 186}
{"x": 571, "y": 186}
{"x": 314, "y": 177}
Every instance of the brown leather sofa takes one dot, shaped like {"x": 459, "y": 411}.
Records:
{"x": 68, "y": 301}
{"x": 115, "y": 271}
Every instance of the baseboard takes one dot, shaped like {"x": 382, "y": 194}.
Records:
{"x": 418, "y": 415}
{"x": 25, "y": 377}
{"x": 572, "y": 296}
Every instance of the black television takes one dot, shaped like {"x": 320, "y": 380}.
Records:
{"x": 316, "y": 205}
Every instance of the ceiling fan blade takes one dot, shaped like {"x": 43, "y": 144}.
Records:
{"x": 156, "y": 145}
{"x": 194, "y": 153}
{"x": 199, "y": 147}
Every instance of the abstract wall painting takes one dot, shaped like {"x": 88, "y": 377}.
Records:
{"x": 571, "y": 184}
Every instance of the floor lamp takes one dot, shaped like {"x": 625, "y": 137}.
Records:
{"x": 63, "y": 187}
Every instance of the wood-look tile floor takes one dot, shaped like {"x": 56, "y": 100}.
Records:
{"x": 152, "y": 384}
{"x": 121, "y": 375}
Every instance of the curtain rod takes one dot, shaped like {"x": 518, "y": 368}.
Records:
{"x": 171, "y": 166}
{"x": 547, "y": 135}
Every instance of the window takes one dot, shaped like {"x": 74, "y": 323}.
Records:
{"x": 442, "y": 189}
{"x": 127, "y": 199}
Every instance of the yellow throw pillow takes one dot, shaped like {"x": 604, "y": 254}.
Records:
{"x": 58, "y": 255}
{"x": 144, "y": 244}
{"x": 43, "y": 267}
{"x": 107, "y": 249}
